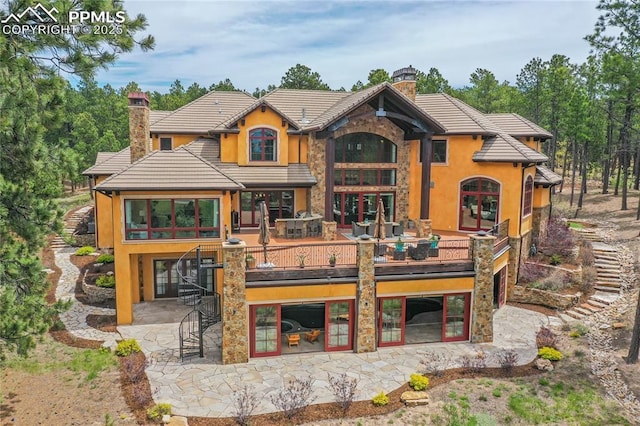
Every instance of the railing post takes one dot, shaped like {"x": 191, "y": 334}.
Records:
{"x": 200, "y": 334}
{"x": 198, "y": 272}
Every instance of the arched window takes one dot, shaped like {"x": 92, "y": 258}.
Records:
{"x": 479, "y": 202}
{"x": 263, "y": 144}
{"x": 528, "y": 196}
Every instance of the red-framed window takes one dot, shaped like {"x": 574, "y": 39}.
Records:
{"x": 339, "y": 320}
{"x": 264, "y": 330}
{"x": 479, "y": 204}
{"x": 456, "y": 313}
{"x": 262, "y": 144}
{"x": 528, "y": 196}
{"x": 349, "y": 207}
{"x": 391, "y": 321}
{"x": 172, "y": 218}
{"x": 365, "y": 177}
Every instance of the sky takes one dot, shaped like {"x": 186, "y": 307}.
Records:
{"x": 255, "y": 43}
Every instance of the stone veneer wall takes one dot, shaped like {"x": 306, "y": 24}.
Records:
{"x": 482, "y": 312}
{"x": 139, "y": 130}
{"x": 514, "y": 264}
{"x": 424, "y": 228}
{"x": 526, "y": 245}
{"x": 550, "y": 299}
{"x": 539, "y": 221}
{"x": 235, "y": 341}
{"x": 376, "y": 125}
{"x": 366, "y": 299}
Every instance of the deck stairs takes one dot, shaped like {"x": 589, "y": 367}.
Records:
{"x": 70, "y": 224}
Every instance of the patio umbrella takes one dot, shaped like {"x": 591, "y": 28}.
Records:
{"x": 264, "y": 237}
{"x": 380, "y": 232}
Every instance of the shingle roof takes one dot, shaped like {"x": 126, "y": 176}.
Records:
{"x": 205, "y": 113}
{"x": 156, "y": 115}
{"x": 251, "y": 176}
{"x": 108, "y": 163}
{"x": 292, "y": 102}
{"x": 546, "y": 177}
{"x": 518, "y": 126}
{"x": 456, "y": 116}
{"x": 179, "y": 169}
{"x": 231, "y": 121}
{"x": 503, "y": 148}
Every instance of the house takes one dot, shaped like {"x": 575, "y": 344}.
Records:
{"x": 177, "y": 204}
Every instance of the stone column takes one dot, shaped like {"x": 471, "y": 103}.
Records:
{"x": 514, "y": 264}
{"x": 330, "y": 159}
{"x": 329, "y": 231}
{"x": 424, "y": 228}
{"x": 482, "y": 314}
{"x": 366, "y": 299}
{"x": 235, "y": 341}
{"x": 425, "y": 195}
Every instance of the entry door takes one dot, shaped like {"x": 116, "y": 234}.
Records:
{"x": 339, "y": 325}
{"x": 456, "y": 317}
{"x": 165, "y": 278}
{"x": 499, "y": 287}
{"x": 391, "y": 316}
{"x": 264, "y": 330}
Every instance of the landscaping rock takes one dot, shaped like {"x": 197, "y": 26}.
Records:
{"x": 414, "y": 398}
{"x": 544, "y": 364}
{"x": 178, "y": 421}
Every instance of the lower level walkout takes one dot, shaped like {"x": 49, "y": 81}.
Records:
{"x": 279, "y": 329}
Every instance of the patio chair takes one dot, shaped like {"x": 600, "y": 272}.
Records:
{"x": 312, "y": 336}
{"x": 298, "y": 228}
{"x": 291, "y": 228}
{"x": 398, "y": 230}
{"x": 293, "y": 339}
{"x": 420, "y": 251}
{"x": 314, "y": 228}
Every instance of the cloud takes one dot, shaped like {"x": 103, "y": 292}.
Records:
{"x": 255, "y": 43}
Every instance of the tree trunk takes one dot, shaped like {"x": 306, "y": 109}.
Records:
{"x": 636, "y": 166}
{"x": 583, "y": 186}
{"x": 573, "y": 171}
{"x": 606, "y": 172}
{"x": 564, "y": 170}
{"x": 632, "y": 358}
{"x": 626, "y": 148}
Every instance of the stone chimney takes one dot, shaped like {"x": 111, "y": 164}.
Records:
{"x": 405, "y": 81}
{"x": 139, "y": 131}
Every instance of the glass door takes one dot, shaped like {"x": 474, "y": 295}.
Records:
{"x": 265, "y": 330}
{"x": 456, "y": 317}
{"x": 165, "y": 279}
{"x": 339, "y": 325}
{"x": 391, "y": 321}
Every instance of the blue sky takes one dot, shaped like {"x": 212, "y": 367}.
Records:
{"x": 255, "y": 43}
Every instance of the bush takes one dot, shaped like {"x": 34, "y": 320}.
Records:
{"x": 587, "y": 257}
{"x": 435, "y": 363}
{"x": 127, "y": 347}
{"x": 546, "y": 338}
{"x": 380, "y": 399}
{"x": 84, "y": 251}
{"x": 589, "y": 277}
{"x": 244, "y": 402}
{"x": 558, "y": 280}
{"x": 556, "y": 259}
{"x": 418, "y": 382}
{"x": 507, "y": 358}
{"x": 558, "y": 239}
{"x": 579, "y": 330}
{"x": 105, "y": 258}
{"x": 294, "y": 397}
{"x": 156, "y": 412}
{"x": 473, "y": 364}
{"x": 549, "y": 353}
{"x": 133, "y": 367}
{"x": 344, "y": 390}
{"x": 106, "y": 281}
{"x": 531, "y": 272}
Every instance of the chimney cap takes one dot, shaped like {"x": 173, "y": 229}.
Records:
{"x": 138, "y": 98}
{"x": 407, "y": 73}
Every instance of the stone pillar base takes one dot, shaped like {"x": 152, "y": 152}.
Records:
{"x": 365, "y": 340}
{"x": 424, "y": 228}
{"x": 482, "y": 312}
{"x": 329, "y": 231}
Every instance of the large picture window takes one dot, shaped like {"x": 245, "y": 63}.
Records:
{"x": 365, "y": 177}
{"x": 365, "y": 148}
{"x": 262, "y": 144}
{"x": 528, "y": 196}
{"x": 479, "y": 201}
{"x": 172, "y": 218}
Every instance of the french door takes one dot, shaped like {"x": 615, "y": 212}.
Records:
{"x": 391, "y": 317}
{"x": 456, "y": 317}
{"x": 264, "y": 330}
{"x": 339, "y": 325}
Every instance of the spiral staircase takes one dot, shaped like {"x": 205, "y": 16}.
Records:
{"x": 197, "y": 288}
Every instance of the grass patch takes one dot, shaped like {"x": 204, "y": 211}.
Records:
{"x": 575, "y": 225}
{"x": 92, "y": 362}
{"x": 69, "y": 203}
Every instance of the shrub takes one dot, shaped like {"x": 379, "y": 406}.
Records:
{"x": 244, "y": 402}
{"x": 156, "y": 412}
{"x": 418, "y": 382}
{"x": 106, "y": 281}
{"x": 105, "y": 258}
{"x": 549, "y": 353}
{"x": 474, "y": 364}
{"x": 294, "y": 397}
{"x": 380, "y": 399}
{"x": 546, "y": 338}
{"x": 589, "y": 277}
{"x": 127, "y": 347}
{"x": 531, "y": 272}
{"x": 435, "y": 363}
{"x": 344, "y": 390}
{"x": 556, "y": 259}
{"x": 507, "y": 359}
{"x": 84, "y": 251}
{"x": 558, "y": 239}
{"x": 579, "y": 330}
{"x": 133, "y": 367}
{"x": 587, "y": 257}
{"x": 558, "y": 280}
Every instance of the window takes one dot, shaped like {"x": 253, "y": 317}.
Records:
{"x": 479, "y": 201}
{"x": 166, "y": 144}
{"x": 262, "y": 143}
{"x": 438, "y": 151}
{"x": 172, "y": 219}
{"x": 365, "y": 177}
{"x": 365, "y": 148}
{"x": 528, "y": 196}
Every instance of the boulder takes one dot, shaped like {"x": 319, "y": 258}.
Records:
{"x": 544, "y": 364}
{"x": 414, "y": 398}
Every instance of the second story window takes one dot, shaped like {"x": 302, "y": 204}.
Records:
{"x": 528, "y": 197}
{"x": 165, "y": 144}
{"x": 262, "y": 144}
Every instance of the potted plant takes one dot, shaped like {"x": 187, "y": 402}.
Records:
{"x": 251, "y": 261}
{"x": 433, "y": 250}
{"x": 301, "y": 260}
{"x": 399, "y": 253}
{"x": 332, "y": 259}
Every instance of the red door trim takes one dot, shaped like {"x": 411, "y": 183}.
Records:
{"x": 402, "y": 320}
{"x": 252, "y": 332}
{"x": 466, "y": 315}
{"x": 351, "y": 320}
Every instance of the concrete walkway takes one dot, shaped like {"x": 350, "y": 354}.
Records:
{"x": 204, "y": 387}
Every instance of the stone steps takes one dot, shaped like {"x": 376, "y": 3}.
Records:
{"x": 606, "y": 289}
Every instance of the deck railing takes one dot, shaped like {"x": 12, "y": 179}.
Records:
{"x": 303, "y": 255}
{"x": 446, "y": 251}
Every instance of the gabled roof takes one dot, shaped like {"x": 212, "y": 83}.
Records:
{"x": 231, "y": 121}
{"x": 295, "y": 174}
{"x": 456, "y": 116}
{"x": 546, "y": 177}
{"x": 206, "y": 113}
{"x": 518, "y": 126}
{"x": 108, "y": 163}
{"x": 176, "y": 170}
{"x": 156, "y": 115}
{"x": 503, "y": 148}
{"x": 292, "y": 103}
